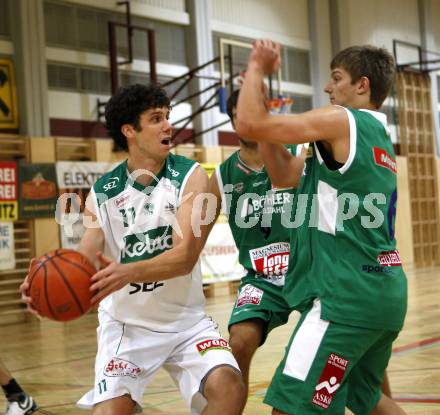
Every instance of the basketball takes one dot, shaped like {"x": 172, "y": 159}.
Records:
{"x": 59, "y": 284}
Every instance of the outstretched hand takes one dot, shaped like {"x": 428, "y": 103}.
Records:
{"x": 112, "y": 277}
{"x": 266, "y": 55}
{"x": 24, "y": 287}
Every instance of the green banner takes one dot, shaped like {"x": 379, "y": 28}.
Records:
{"x": 38, "y": 190}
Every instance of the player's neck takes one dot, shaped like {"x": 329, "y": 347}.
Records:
{"x": 251, "y": 158}
{"x": 151, "y": 165}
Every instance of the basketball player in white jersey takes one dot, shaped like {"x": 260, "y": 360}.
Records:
{"x": 150, "y": 294}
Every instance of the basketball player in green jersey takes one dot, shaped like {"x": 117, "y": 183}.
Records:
{"x": 349, "y": 280}
{"x": 254, "y": 211}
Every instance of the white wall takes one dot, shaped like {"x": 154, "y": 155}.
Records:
{"x": 378, "y": 22}
{"x": 178, "y": 5}
{"x": 172, "y": 11}
{"x": 102, "y": 60}
{"x": 282, "y": 20}
{"x": 436, "y": 23}
{"x": 76, "y": 106}
{"x": 6, "y": 47}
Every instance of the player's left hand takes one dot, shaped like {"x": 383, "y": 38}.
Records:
{"x": 266, "y": 55}
{"x": 112, "y": 277}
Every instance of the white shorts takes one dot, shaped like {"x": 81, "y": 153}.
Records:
{"x": 129, "y": 356}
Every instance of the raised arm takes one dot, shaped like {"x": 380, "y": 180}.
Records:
{"x": 284, "y": 168}
{"x": 253, "y": 120}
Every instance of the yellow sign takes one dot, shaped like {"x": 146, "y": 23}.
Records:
{"x": 8, "y": 211}
{"x": 209, "y": 167}
{"x": 8, "y": 96}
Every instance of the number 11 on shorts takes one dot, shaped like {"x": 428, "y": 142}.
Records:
{"x": 102, "y": 385}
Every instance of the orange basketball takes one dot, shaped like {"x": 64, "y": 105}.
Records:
{"x": 59, "y": 284}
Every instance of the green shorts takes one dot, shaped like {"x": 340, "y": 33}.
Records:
{"x": 330, "y": 366}
{"x": 259, "y": 299}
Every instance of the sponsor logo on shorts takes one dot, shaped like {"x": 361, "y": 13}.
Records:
{"x": 249, "y": 295}
{"x": 119, "y": 368}
{"x": 212, "y": 344}
{"x": 330, "y": 380}
{"x": 377, "y": 269}
{"x": 389, "y": 259}
{"x": 382, "y": 158}
{"x": 271, "y": 261}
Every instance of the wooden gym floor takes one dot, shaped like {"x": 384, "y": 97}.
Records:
{"x": 54, "y": 362}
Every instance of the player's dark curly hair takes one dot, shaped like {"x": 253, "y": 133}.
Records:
{"x": 126, "y": 107}
{"x": 232, "y": 103}
{"x": 376, "y": 64}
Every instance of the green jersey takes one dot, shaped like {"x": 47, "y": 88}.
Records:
{"x": 345, "y": 250}
{"x": 254, "y": 212}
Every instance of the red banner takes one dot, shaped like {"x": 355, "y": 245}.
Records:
{"x": 8, "y": 191}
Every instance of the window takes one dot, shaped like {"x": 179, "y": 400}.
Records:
{"x": 62, "y": 77}
{"x": 4, "y": 19}
{"x": 95, "y": 81}
{"x": 129, "y": 78}
{"x": 295, "y": 62}
{"x": 296, "y": 67}
{"x": 58, "y": 24}
{"x": 84, "y": 79}
{"x": 78, "y": 79}
{"x": 239, "y": 55}
{"x": 173, "y": 87}
{"x": 93, "y": 33}
{"x": 76, "y": 27}
{"x": 301, "y": 103}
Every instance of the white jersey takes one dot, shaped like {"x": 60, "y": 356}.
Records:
{"x": 137, "y": 222}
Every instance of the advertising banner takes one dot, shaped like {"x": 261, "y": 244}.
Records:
{"x": 219, "y": 258}
{"x": 8, "y": 191}
{"x": 7, "y": 252}
{"x": 75, "y": 179}
{"x": 8, "y": 96}
{"x": 38, "y": 190}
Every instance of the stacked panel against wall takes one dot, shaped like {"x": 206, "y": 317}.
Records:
{"x": 12, "y": 310}
{"x": 416, "y": 132}
{"x": 80, "y": 149}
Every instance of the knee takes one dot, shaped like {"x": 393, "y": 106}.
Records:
{"x": 237, "y": 343}
{"x": 241, "y": 348}
{"x": 122, "y": 405}
{"x": 226, "y": 381}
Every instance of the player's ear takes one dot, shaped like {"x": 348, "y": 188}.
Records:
{"x": 128, "y": 130}
{"x": 363, "y": 85}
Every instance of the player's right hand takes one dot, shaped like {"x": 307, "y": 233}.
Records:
{"x": 266, "y": 55}
{"x": 24, "y": 292}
